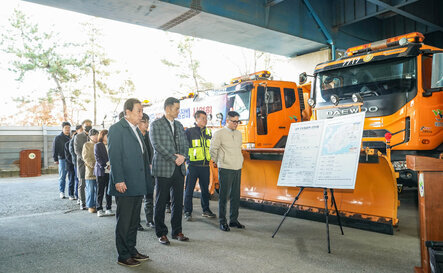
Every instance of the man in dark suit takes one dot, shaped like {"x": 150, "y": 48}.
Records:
{"x": 130, "y": 178}
{"x": 170, "y": 151}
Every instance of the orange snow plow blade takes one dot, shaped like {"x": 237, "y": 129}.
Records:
{"x": 372, "y": 205}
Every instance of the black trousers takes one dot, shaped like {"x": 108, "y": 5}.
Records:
{"x": 71, "y": 179}
{"x": 128, "y": 217}
{"x": 229, "y": 186}
{"x": 149, "y": 207}
{"x": 164, "y": 187}
{"x": 201, "y": 173}
{"x": 102, "y": 189}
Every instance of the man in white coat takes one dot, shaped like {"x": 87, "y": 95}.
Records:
{"x": 225, "y": 150}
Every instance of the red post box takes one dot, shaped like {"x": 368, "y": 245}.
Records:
{"x": 30, "y": 163}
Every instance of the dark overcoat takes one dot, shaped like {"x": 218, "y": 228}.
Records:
{"x": 128, "y": 163}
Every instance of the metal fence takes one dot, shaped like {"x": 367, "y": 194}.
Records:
{"x": 14, "y": 139}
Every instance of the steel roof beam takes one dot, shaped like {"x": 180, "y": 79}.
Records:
{"x": 402, "y": 4}
{"x": 268, "y": 5}
{"x": 323, "y": 28}
{"x": 273, "y": 2}
{"x": 406, "y": 14}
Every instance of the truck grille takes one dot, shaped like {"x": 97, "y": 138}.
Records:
{"x": 375, "y": 133}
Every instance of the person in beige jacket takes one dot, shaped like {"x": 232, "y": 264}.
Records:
{"x": 89, "y": 159}
{"x": 226, "y": 152}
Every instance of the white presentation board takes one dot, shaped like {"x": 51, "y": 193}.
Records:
{"x": 323, "y": 153}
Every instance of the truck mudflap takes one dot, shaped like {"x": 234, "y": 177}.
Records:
{"x": 372, "y": 205}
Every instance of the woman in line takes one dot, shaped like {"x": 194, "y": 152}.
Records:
{"x": 101, "y": 171}
{"x": 89, "y": 158}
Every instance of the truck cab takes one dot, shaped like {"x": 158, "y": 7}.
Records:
{"x": 399, "y": 82}
{"x": 266, "y": 107}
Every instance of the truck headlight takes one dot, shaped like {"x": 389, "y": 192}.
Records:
{"x": 399, "y": 165}
{"x": 311, "y": 102}
{"x": 335, "y": 99}
{"x": 356, "y": 97}
{"x": 250, "y": 145}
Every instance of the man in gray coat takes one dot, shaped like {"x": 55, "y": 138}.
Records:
{"x": 79, "y": 140}
{"x": 170, "y": 151}
{"x": 130, "y": 179}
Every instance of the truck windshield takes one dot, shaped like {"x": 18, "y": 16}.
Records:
{"x": 369, "y": 80}
{"x": 239, "y": 101}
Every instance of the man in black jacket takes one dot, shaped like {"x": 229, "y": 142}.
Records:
{"x": 149, "y": 197}
{"x": 58, "y": 153}
{"x": 70, "y": 168}
{"x": 78, "y": 130}
{"x": 199, "y": 138}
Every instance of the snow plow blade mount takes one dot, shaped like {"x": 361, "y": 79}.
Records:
{"x": 372, "y": 205}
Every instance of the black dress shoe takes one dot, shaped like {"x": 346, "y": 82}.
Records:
{"x": 140, "y": 257}
{"x": 130, "y": 262}
{"x": 150, "y": 224}
{"x": 224, "y": 227}
{"x": 140, "y": 228}
{"x": 236, "y": 224}
{"x": 164, "y": 240}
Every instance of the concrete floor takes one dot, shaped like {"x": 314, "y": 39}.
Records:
{"x": 41, "y": 233}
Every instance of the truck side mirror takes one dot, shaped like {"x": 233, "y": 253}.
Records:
{"x": 437, "y": 71}
{"x": 302, "y": 78}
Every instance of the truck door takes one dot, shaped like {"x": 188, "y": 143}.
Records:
{"x": 294, "y": 104}
{"x": 268, "y": 116}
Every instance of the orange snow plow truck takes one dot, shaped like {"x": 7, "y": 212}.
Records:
{"x": 267, "y": 108}
{"x": 398, "y": 82}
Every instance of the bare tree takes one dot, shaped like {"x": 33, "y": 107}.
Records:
{"x": 187, "y": 66}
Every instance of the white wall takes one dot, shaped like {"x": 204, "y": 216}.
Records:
{"x": 290, "y": 70}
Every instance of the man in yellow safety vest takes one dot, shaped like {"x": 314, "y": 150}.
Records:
{"x": 199, "y": 138}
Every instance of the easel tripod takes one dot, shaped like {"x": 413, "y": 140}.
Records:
{"x": 325, "y": 194}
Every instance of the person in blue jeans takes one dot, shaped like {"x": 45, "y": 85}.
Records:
{"x": 78, "y": 130}
{"x": 89, "y": 159}
{"x": 58, "y": 153}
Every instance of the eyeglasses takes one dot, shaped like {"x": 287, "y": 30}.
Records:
{"x": 235, "y": 121}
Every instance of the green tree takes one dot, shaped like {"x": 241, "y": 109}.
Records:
{"x": 187, "y": 66}
{"x": 36, "y": 50}
{"x": 99, "y": 67}
{"x": 126, "y": 88}
{"x": 97, "y": 64}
